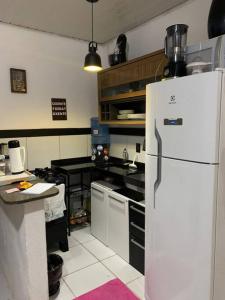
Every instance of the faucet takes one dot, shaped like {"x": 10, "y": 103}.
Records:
{"x": 133, "y": 165}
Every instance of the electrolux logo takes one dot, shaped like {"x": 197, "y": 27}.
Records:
{"x": 172, "y": 99}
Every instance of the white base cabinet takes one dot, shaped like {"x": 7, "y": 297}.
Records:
{"x": 99, "y": 209}
{"x": 109, "y": 218}
{"x": 118, "y": 224}
{"x": 99, "y": 212}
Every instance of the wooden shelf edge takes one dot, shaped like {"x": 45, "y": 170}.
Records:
{"x": 160, "y": 51}
{"x": 124, "y": 96}
{"x": 124, "y": 122}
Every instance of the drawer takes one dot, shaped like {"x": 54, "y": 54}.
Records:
{"x": 137, "y": 214}
{"x": 137, "y": 230}
{"x": 137, "y": 254}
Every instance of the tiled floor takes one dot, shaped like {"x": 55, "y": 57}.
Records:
{"x": 89, "y": 264}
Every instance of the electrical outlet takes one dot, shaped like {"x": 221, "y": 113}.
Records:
{"x": 138, "y": 147}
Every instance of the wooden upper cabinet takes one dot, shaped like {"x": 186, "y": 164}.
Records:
{"x": 122, "y": 87}
{"x": 128, "y": 73}
{"x": 108, "y": 79}
{"x": 144, "y": 67}
{"x": 152, "y": 66}
{"x": 120, "y": 75}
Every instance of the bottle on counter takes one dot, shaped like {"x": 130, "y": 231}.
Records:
{"x": 125, "y": 156}
{"x": 4, "y": 165}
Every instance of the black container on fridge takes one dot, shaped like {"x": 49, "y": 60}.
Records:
{"x": 175, "y": 44}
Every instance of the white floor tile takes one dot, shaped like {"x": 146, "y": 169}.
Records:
{"x": 64, "y": 293}
{"x": 88, "y": 279}
{"x": 98, "y": 249}
{"x": 121, "y": 269}
{"x": 83, "y": 235}
{"x": 138, "y": 287}
{"x": 75, "y": 259}
{"x": 72, "y": 242}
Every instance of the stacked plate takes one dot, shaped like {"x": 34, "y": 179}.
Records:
{"x": 129, "y": 115}
{"x": 123, "y": 114}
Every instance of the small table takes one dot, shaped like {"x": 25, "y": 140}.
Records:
{"x": 68, "y": 171}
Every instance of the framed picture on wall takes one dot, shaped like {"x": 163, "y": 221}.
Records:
{"x": 59, "y": 110}
{"x": 18, "y": 81}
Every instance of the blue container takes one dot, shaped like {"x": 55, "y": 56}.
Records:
{"x": 99, "y": 133}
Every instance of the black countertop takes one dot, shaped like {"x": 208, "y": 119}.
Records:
{"x": 74, "y": 168}
{"x": 114, "y": 167}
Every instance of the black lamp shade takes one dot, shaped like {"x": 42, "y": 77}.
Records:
{"x": 92, "y": 60}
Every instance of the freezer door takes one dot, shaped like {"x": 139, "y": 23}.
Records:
{"x": 186, "y": 113}
{"x": 180, "y": 230}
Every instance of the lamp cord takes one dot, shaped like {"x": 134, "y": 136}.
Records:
{"x": 92, "y": 14}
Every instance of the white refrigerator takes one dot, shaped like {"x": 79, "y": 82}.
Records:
{"x": 185, "y": 188}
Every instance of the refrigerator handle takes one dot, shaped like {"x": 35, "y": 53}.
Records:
{"x": 159, "y": 161}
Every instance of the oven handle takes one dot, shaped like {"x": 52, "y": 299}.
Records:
{"x": 137, "y": 227}
{"x": 137, "y": 210}
{"x": 137, "y": 244}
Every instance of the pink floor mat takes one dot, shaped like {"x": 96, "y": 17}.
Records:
{"x": 112, "y": 290}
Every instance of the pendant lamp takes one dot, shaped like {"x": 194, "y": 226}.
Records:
{"x": 92, "y": 60}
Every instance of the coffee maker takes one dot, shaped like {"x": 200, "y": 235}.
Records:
{"x": 175, "y": 44}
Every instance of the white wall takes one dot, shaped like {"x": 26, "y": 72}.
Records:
{"x": 41, "y": 150}
{"x": 150, "y": 36}
{"x": 119, "y": 142}
{"x": 54, "y": 69}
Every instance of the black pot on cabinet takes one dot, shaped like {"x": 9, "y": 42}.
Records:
{"x": 216, "y": 20}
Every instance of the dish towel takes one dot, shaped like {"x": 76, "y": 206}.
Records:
{"x": 55, "y": 206}
{"x": 112, "y": 290}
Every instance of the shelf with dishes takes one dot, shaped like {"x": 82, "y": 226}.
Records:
{"x": 123, "y": 111}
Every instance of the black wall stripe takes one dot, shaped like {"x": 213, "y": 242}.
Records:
{"x": 127, "y": 131}
{"x": 43, "y": 132}
{"x": 66, "y": 131}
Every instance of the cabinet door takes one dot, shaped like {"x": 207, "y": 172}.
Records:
{"x": 118, "y": 233}
{"x": 98, "y": 214}
{"x": 118, "y": 76}
{"x": 129, "y": 73}
{"x": 152, "y": 66}
{"x": 108, "y": 79}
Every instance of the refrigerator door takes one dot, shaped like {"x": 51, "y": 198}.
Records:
{"x": 180, "y": 230}
{"x": 185, "y": 113}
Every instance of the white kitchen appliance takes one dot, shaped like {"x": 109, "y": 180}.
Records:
{"x": 17, "y": 157}
{"x": 210, "y": 51}
{"x": 185, "y": 188}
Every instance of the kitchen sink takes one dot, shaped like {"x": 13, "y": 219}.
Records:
{"x": 131, "y": 194}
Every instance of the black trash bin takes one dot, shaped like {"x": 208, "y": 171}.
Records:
{"x": 55, "y": 263}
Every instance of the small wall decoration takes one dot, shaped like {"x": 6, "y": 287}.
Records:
{"x": 59, "y": 111}
{"x": 18, "y": 81}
